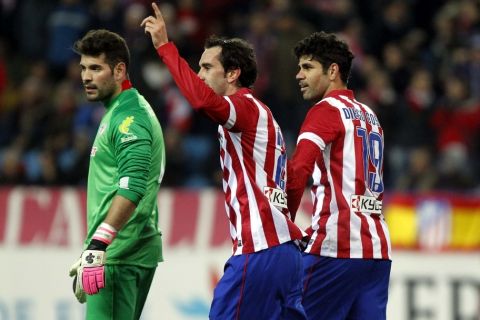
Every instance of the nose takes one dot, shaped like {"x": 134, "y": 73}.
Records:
{"x": 299, "y": 75}
{"x": 200, "y": 74}
{"x": 86, "y": 76}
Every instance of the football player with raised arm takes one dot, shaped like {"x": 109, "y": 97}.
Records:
{"x": 262, "y": 279}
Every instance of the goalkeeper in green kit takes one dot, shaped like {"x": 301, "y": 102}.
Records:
{"x": 127, "y": 161}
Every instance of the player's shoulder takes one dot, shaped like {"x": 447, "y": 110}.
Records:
{"x": 133, "y": 102}
{"x": 366, "y": 108}
{"x": 130, "y": 112}
{"x": 130, "y": 98}
{"x": 331, "y": 103}
{"x": 245, "y": 103}
{"x": 322, "y": 112}
{"x": 327, "y": 105}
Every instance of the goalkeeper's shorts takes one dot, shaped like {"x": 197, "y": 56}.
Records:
{"x": 262, "y": 285}
{"x": 124, "y": 295}
{"x": 337, "y": 289}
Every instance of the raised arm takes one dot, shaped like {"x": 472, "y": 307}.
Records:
{"x": 200, "y": 95}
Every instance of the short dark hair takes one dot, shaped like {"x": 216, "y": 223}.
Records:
{"x": 96, "y": 42}
{"x": 236, "y": 54}
{"x": 326, "y": 48}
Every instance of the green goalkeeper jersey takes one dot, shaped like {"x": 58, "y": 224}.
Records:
{"x": 128, "y": 159}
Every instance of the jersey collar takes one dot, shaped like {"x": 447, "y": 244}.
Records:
{"x": 243, "y": 91}
{"x": 340, "y": 92}
{"x": 126, "y": 84}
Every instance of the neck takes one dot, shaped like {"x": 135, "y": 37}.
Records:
{"x": 231, "y": 90}
{"x": 335, "y": 86}
{"x": 125, "y": 85}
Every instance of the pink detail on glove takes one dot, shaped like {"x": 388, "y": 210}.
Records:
{"x": 93, "y": 279}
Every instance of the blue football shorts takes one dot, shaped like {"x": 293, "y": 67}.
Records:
{"x": 261, "y": 286}
{"x": 341, "y": 289}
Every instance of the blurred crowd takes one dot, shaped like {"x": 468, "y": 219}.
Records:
{"x": 417, "y": 64}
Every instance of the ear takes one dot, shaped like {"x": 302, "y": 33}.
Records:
{"x": 334, "y": 72}
{"x": 120, "y": 71}
{"x": 233, "y": 75}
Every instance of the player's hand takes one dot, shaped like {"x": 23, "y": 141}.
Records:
{"x": 155, "y": 26}
{"x": 89, "y": 270}
{"x": 91, "y": 273}
{"x": 77, "y": 289}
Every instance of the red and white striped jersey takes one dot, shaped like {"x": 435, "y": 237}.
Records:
{"x": 253, "y": 159}
{"x": 341, "y": 146}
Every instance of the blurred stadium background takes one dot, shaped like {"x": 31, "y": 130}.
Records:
{"x": 417, "y": 65}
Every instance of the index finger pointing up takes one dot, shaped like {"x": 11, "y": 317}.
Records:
{"x": 158, "y": 14}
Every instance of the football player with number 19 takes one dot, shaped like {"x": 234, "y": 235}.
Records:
{"x": 263, "y": 278}
{"x": 347, "y": 259}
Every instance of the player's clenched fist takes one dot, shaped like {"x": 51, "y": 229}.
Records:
{"x": 92, "y": 271}
{"x": 89, "y": 270}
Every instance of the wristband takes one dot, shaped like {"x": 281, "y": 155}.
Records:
{"x": 105, "y": 233}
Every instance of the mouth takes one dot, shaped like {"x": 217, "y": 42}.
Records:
{"x": 90, "y": 89}
{"x": 303, "y": 87}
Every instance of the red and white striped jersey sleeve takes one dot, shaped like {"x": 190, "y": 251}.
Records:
{"x": 347, "y": 191}
{"x": 200, "y": 96}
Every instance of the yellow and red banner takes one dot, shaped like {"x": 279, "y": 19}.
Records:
{"x": 433, "y": 222}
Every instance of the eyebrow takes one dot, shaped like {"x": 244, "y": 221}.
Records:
{"x": 206, "y": 64}
{"x": 90, "y": 65}
{"x": 305, "y": 63}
